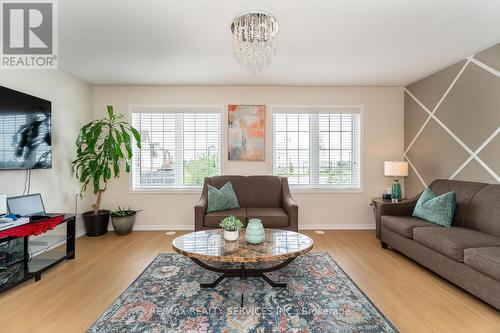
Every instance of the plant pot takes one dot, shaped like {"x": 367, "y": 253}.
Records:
{"x": 96, "y": 225}
{"x": 231, "y": 236}
{"x": 123, "y": 225}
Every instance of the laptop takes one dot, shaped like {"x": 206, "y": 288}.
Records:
{"x": 30, "y": 206}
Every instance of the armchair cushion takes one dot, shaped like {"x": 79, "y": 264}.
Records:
{"x": 213, "y": 219}
{"x": 271, "y": 217}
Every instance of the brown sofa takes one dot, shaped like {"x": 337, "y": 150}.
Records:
{"x": 468, "y": 253}
{"x": 265, "y": 197}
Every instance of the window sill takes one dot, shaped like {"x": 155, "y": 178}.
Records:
{"x": 305, "y": 190}
{"x": 326, "y": 190}
{"x": 178, "y": 190}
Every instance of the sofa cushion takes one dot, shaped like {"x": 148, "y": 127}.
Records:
{"x": 403, "y": 225}
{"x": 221, "y": 199}
{"x": 483, "y": 212}
{"x": 485, "y": 260}
{"x": 263, "y": 191}
{"x": 438, "y": 209}
{"x": 452, "y": 242}
{"x": 239, "y": 184}
{"x": 271, "y": 217}
{"x": 464, "y": 192}
{"x": 253, "y": 191}
{"x": 213, "y": 219}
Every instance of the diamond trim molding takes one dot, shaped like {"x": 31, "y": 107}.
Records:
{"x": 431, "y": 116}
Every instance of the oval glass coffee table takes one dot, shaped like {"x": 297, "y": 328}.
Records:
{"x": 279, "y": 249}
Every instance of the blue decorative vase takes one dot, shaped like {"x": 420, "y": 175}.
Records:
{"x": 255, "y": 233}
{"x": 396, "y": 190}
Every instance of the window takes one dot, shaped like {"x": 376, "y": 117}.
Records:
{"x": 318, "y": 147}
{"x": 180, "y": 146}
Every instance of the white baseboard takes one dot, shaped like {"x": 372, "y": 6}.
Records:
{"x": 152, "y": 227}
{"x": 159, "y": 227}
{"x": 145, "y": 227}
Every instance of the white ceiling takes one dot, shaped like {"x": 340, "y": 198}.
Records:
{"x": 321, "y": 42}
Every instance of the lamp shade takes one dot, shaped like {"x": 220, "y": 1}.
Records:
{"x": 395, "y": 168}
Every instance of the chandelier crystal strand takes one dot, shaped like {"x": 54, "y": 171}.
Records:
{"x": 254, "y": 39}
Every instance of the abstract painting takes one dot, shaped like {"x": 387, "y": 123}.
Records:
{"x": 247, "y": 132}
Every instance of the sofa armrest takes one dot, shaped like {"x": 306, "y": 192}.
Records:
{"x": 404, "y": 208}
{"x": 200, "y": 209}
{"x": 289, "y": 205}
{"x": 398, "y": 208}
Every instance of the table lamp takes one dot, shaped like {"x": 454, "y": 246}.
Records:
{"x": 396, "y": 169}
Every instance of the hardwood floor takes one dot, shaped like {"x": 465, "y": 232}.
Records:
{"x": 71, "y": 296}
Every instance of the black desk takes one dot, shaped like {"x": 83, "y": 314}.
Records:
{"x": 25, "y": 269}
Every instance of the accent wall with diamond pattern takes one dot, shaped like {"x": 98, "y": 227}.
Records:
{"x": 452, "y": 123}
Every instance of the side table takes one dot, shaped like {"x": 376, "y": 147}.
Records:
{"x": 376, "y": 204}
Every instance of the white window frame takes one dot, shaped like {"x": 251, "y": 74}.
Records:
{"x": 316, "y": 188}
{"x": 176, "y": 109}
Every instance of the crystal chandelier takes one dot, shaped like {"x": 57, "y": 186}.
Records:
{"x": 254, "y": 39}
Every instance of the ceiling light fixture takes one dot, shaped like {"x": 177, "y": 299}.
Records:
{"x": 254, "y": 39}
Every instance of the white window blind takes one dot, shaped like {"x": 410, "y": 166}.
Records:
{"x": 180, "y": 146}
{"x": 318, "y": 147}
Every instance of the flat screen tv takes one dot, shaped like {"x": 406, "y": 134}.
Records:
{"x": 25, "y": 131}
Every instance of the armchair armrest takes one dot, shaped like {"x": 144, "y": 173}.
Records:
{"x": 200, "y": 209}
{"x": 404, "y": 208}
{"x": 289, "y": 205}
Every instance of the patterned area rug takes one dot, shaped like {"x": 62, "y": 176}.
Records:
{"x": 166, "y": 297}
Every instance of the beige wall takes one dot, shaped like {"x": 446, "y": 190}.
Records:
{"x": 70, "y": 109}
{"x": 452, "y": 122}
{"x": 382, "y": 139}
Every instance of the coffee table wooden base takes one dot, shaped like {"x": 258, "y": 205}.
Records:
{"x": 243, "y": 272}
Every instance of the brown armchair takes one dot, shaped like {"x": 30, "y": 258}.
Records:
{"x": 265, "y": 197}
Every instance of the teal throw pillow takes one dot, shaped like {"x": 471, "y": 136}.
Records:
{"x": 438, "y": 209}
{"x": 222, "y": 199}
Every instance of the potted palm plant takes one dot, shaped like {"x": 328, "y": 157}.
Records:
{"x": 101, "y": 148}
{"x": 123, "y": 220}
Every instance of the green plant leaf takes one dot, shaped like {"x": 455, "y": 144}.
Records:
{"x": 107, "y": 173}
{"x": 126, "y": 141}
{"x": 116, "y": 168}
{"x": 137, "y": 136}
{"x": 110, "y": 112}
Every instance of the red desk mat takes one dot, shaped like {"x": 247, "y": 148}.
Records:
{"x": 33, "y": 228}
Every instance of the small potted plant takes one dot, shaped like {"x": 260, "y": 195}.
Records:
{"x": 231, "y": 226}
{"x": 123, "y": 220}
